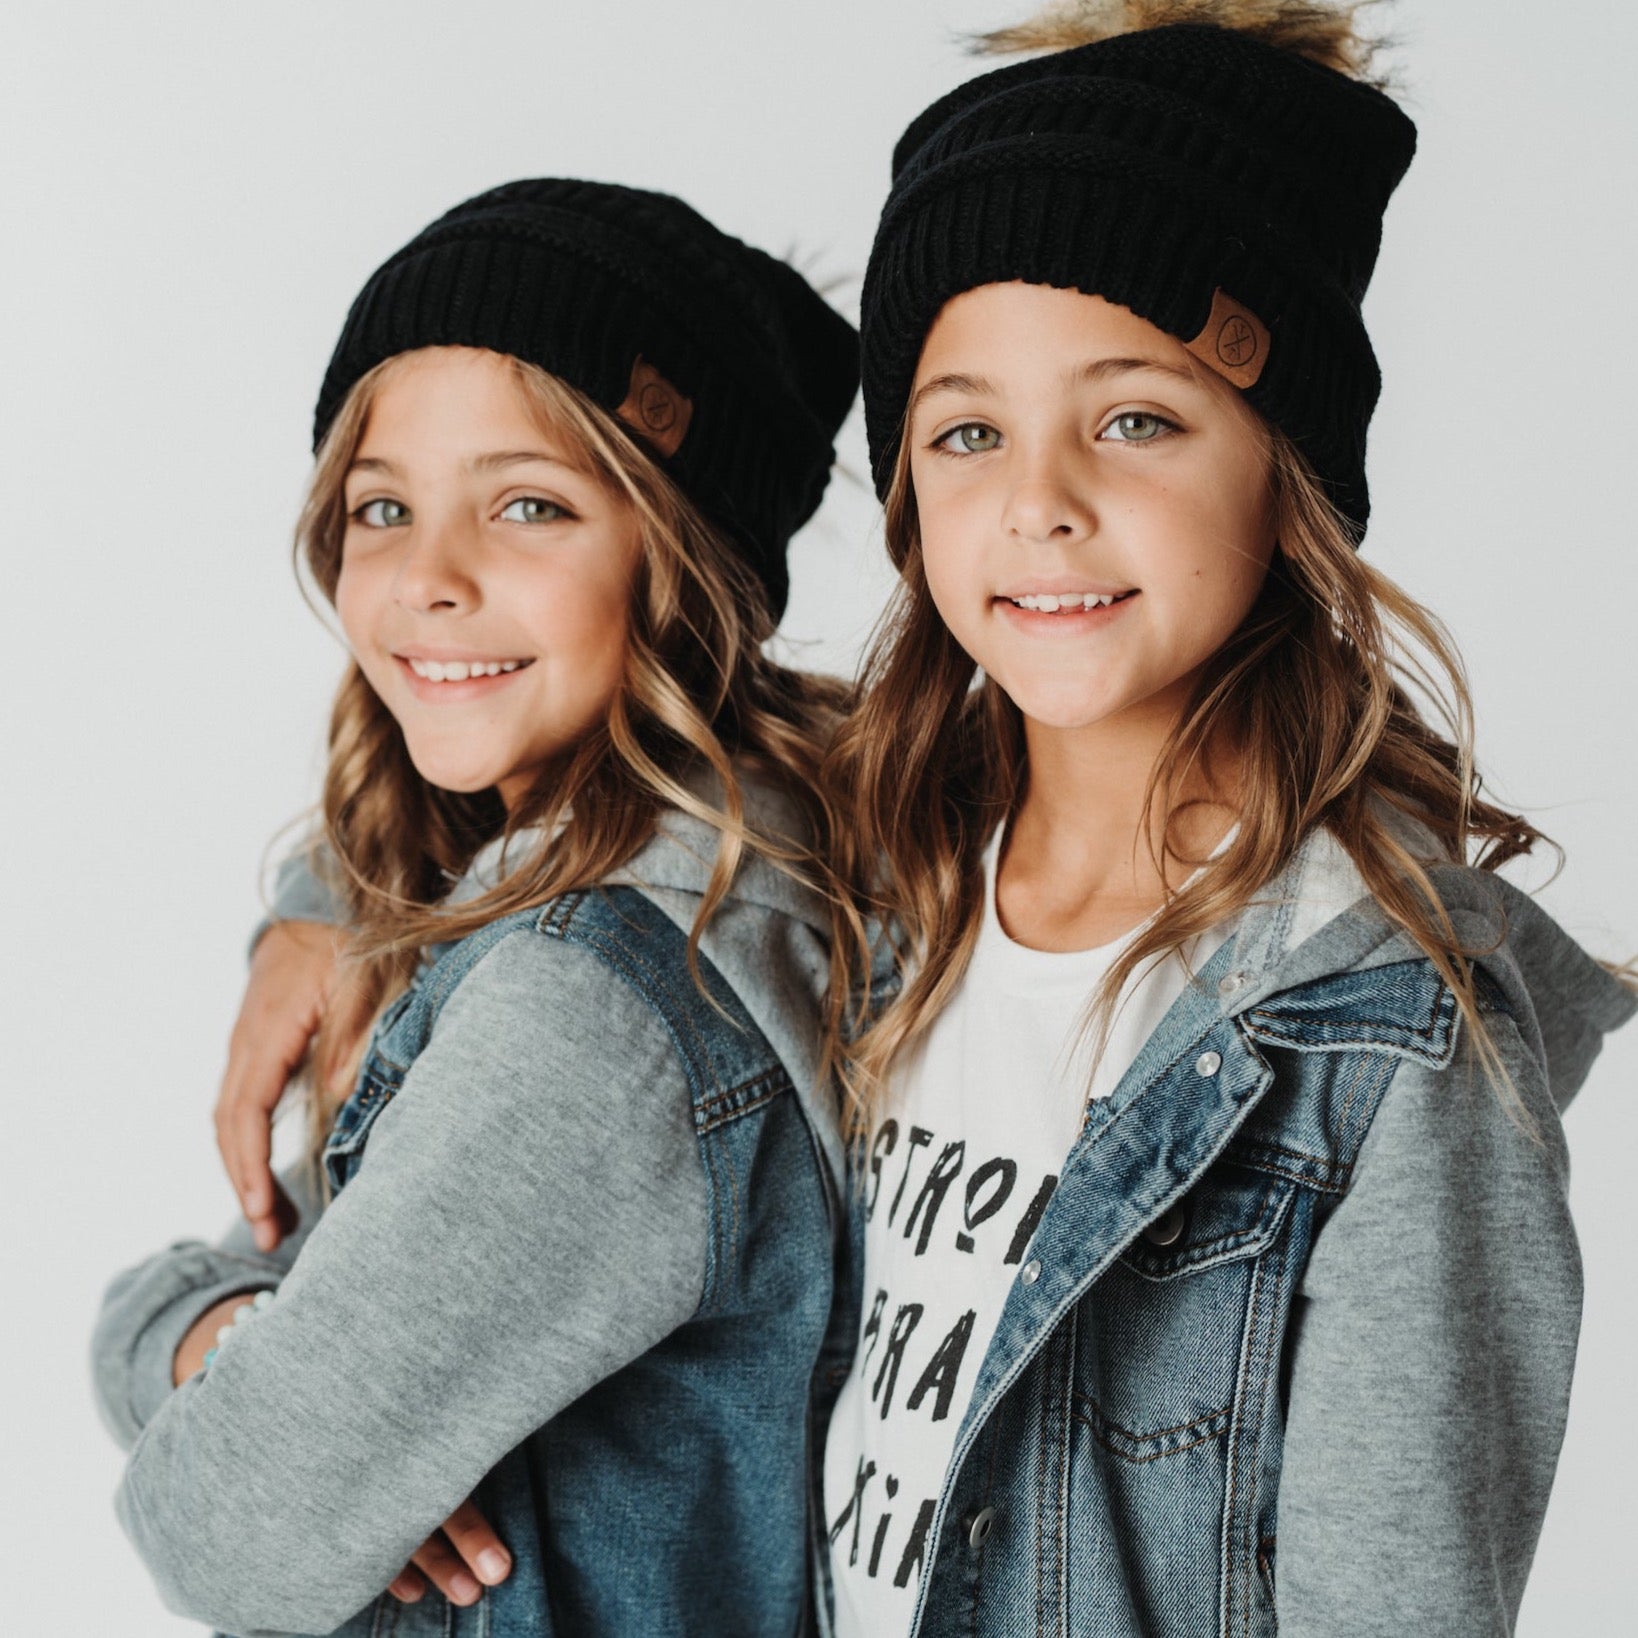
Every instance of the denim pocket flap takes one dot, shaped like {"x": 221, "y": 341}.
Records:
{"x": 1230, "y": 1214}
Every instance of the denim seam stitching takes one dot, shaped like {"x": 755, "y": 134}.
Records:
{"x": 1260, "y": 1154}
{"x": 983, "y": 1546}
{"x": 718, "y": 1254}
{"x": 1336, "y": 1182}
{"x": 1344, "y": 1131}
{"x": 710, "y": 1112}
{"x": 1223, "y": 1247}
{"x": 1154, "y": 1455}
{"x": 637, "y": 966}
{"x": 1060, "y": 1587}
{"x": 1353, "y": 1136}
{"x": 1235, "y": 1456}
{"x": 1159, "y": 1075}
{"x": 1438, "y": 1018}
{"x": 726, "y": 1117}
{"x": 1275, "y": 1270}
{"x": 1049, "y": 1399}
{"x": 1095, "y": 1413}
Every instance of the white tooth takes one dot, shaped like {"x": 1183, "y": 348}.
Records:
{"x": 419, "y": 667}
{"x": 1106, "y": 601}
{"x": 456, "y": 670}
{"x": 509, "y": 665}
{"x": 1049, "y": 603}
{"x": 434, "y": 671}
{"x": 1073, "y": 601}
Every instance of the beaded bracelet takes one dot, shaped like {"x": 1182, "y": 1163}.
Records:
{"x": 245, "y": 1311}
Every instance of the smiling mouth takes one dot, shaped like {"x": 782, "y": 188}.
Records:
{"x": 461, "y": 670}
{"x": 1067, "y": 602}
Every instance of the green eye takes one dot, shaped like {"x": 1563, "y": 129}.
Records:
{"x": 971, "y": 438}
{"x": 1138, "y": 427}
{"x": 381, "y": 514}
{"x": 533, "y": 509}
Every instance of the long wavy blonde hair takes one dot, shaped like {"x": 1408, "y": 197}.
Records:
{"x": 928, "y": 766}
{"x": 696, "y": 696}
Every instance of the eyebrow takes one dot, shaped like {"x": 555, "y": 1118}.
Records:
{"x": 1104, "y": 368}
{"x": 494, "y": 461}
{"x": 975, "y": 385}
{"x": 1101, "y": 369}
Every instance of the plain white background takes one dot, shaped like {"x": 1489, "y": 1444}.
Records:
{"x": 192, "y": 193}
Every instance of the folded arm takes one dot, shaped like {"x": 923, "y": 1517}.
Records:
{"x": 529, "y": 1218}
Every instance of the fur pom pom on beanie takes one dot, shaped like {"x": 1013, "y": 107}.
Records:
{"x": 587, "y": 278}
{"x": 1214, "y": 167}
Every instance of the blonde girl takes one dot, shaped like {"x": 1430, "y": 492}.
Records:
{"x": 572, "y": 1244}
{"x": 1218, "y": 1273}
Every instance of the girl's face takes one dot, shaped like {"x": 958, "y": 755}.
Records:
{"x": 486, "y": 575}
{"x": 1094, "y": 506}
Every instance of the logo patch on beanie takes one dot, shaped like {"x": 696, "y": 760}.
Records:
{"x": 656, "y": 409}
{"x": 1234, "y": 342}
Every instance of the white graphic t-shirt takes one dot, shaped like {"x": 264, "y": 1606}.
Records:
{"x": 958, "y": 1170}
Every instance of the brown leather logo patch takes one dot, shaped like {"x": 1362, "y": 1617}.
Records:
{"x": 1234, "y": 342}
{"x": 656, "y": 409}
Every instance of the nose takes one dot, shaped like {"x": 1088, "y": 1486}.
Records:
{"x": 435, "y": 572}
{"x": 1045, "y": 507}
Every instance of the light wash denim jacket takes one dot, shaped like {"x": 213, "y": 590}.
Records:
{"x": 1290, "y": 1350}
{"x": 581, "y": 1265}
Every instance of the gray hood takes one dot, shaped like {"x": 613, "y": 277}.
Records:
{"x": 1317, "y": 919}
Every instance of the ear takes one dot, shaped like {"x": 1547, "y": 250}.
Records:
{"x": 655, "y": 409}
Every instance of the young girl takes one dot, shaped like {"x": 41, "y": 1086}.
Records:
{"x": 579, "y": 1255}
{"x": 1218, "y": 1270}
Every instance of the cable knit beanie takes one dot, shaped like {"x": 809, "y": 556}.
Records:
{"x": 1226, "y": 189}
{"x": 620, "y": 292}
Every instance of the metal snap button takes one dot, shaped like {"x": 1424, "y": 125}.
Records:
{"x": 1208, "y": 1063}
{"x": 1167, "y": 1229}
{"x": 1230, "y": 982}
{"x": 1030, "y": 1272}
{"x": 978, "y": 1526}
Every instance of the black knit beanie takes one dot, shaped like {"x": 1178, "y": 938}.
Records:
{"x": 1226, "y": 190}
{"x": 586, "y": 278}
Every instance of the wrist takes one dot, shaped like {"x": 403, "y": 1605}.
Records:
{"x": 201, "y": 1337}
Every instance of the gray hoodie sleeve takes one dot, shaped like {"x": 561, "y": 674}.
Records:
{"x": 530, "y": 1217}
{"x": 300, "y": 892}
{"x": 1431, "y": 1374}
{"x": 150, "y": 1308}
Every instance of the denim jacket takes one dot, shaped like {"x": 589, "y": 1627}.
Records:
{"x": 589, "y": 1276}
{"x": 1290, "y": 1350}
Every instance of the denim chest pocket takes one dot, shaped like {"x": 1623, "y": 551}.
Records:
{"x": 1160, "y": 1340}
{"x": 1232, "y": 1214}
